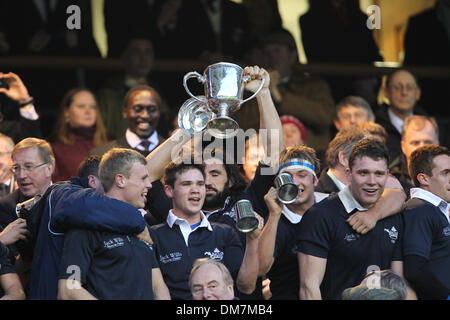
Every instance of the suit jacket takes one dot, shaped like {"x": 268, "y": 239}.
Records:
{"x": 326, "y": 185}
{"x": 394, "y": 137}
{"x": 118, "y": 143}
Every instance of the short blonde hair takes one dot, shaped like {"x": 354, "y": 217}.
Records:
{"x": 117, "y": 161}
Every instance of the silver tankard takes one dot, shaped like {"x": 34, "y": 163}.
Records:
{"x": 286, "y": 188}
{"x": 245, "y": 218}
{"x": 224, "y": 88}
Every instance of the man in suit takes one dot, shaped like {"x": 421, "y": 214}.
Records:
{"x": 403, "y": 93}
{"x": 142, "y": 111}
{"x": 32, "y": 167}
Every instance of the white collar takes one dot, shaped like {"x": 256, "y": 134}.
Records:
{"x": 396, "y": 121}
{"x": 173, "y": 219}
{"x": 423, "y": 194}
{"x": 336, "y": 181}
{"x": 185, "y": 227}
{"x": 349, "y": 201}
{"x": 295, "y": 218}
{"x": 134, "y": 141}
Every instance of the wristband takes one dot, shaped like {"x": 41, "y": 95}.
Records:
{"x": 21, "y": 105}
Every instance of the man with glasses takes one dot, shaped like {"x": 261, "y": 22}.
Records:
{"x": 403, "y": 92}
{"x": 32, "y": 167}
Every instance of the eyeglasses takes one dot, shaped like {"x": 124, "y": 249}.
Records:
{"x": 407, "y": 88}
{"x": 27, "y": 168}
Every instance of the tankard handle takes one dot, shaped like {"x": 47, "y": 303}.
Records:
{"x": 193, "y": 74}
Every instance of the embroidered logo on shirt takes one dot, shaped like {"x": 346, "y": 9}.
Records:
{"x": 351, "y": 237}
{"x": 170, "y": 257}
{"x": 393, "y": 234}
{"x": 446, "y": 231}
{"x": 216, "y": 254}
{"x": 113, "y": 243}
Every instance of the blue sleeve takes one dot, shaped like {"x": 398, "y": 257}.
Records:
{"x": 314, "y": 233}
{"x": 74, "y": 207}
{"x": 258, "y": 188}
{"x": 418, "y": 233}
{"x": 79, "y": 246}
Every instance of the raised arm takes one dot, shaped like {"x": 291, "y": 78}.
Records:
{"x": 269, "y": 118}
{"x": 268, "y": 235}
{"x": 164, "y": 153}
{"x": 248, "y": 272}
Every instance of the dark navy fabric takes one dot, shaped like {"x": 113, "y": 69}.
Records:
{"x": 175, "y": 258}
{"x": 427, "y": 234}
{"x": 112, "y": 266}
{"x": 324, "y": 232}
{"x": 65, "y": 206}
{"x": 5, "y": 264}
{"x": 284, "y": 273}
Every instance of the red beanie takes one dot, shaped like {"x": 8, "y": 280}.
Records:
{"x": 291, "y": 119}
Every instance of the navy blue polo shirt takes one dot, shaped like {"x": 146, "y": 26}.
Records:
{"x": 176, "y": 258}
{"x": 112, "y": 266}
{"x": 325, "y": 233}
{"x": 427, "y": 234}
{"x": 5, "y": 264}
{"x": 284, "y": 273}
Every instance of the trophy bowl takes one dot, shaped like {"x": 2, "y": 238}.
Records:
{"x": 194, "y": 115}
{"x": 224, "y": 89}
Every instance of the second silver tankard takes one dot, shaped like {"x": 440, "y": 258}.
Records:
{"x": 224, "y": 88}
{"x": 245, "y": 218}
{"x": 286, "y": 188}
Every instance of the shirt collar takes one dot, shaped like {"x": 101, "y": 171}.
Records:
{"x": 296, "y": 218}
{"x": 423, "y": 194}
{"x": 336, "y": 181}
{"x": 227, "y": 201}
{"x": 349, "y": 202}
{"x": 173, "y": 219}
{"x": 134, "y": 141}
{"x": 396, "y": 121}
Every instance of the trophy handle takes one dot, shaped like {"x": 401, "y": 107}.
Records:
{"x": 257, "y": 91}
{"x": 189, "y": 75}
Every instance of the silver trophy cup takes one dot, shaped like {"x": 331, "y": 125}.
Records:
{"x": 287, "y": 190}
{"x": 224, "y": 88}
{"x": 245, "y": 218}
{"x": 194, "y": 115}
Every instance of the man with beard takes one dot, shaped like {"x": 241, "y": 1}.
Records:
{"x": 142, "y": 111}
{"x": 224, "y": 184}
